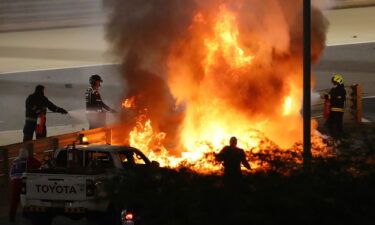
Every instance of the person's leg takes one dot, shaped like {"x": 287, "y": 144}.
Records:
{"x": 96, "y": 119}
{"x": 102, "y": 119}
{"x": 338, "y": 124}
{"x": 92, "y": 119}
{"x": 330, "y": 124}
{"x": 28, "y": 130}
{"x": 340, "y": 118}
{"x": 334, "y": 124}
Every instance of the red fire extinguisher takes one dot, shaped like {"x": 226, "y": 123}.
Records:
{"x": 326, "y": 108}
{"x": 41, "y": 121}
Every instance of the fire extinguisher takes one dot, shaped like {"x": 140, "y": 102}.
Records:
{"x": 41, "y": 121}
{"x": 326, "y": 108}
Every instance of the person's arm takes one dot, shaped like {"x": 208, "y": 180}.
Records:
{"x": 344, "y": 94}
{"x": 106, "y": 107}
{"x": 89, "y": 98}
{"x": 244, "y": 161}
{"x": 330, "y": 94}
{"x": 31, "y": 106}
{"x": 28, "y": 104}
{"x": 337, "y": 94}
{"x": 220, "y": 155}
{"x": 53, "y": 107}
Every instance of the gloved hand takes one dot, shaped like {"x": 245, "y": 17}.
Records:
{"x": 62, "y": 111}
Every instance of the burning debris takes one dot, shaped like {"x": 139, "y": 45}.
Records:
{"x": 199, "y": 72}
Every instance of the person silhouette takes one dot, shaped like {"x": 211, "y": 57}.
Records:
{"x": 233, "y": 157}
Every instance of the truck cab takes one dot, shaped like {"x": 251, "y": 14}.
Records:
{"x": 70, "y": 183}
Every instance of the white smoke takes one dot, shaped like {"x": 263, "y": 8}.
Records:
{"x": 79, "y": 115}
{"x": 315, "y": 98}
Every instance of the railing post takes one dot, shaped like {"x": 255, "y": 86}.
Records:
{"x": 108, "y": 136}
{"x": 55, "y": 144}
{"x": 30, "y": 148}
{"x": 5, "y": 156}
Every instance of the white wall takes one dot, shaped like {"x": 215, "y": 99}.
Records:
{"x": 354, "y": 3}
{"x": 40, "y": 14}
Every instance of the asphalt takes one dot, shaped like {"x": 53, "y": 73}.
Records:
{"x": 369, "y": 109}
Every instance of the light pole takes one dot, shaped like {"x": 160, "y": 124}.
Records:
{"x": 306, "y": 83}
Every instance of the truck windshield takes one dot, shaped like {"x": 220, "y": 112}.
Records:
{"x": 130, "y": 158}
{"x": 99, "y": 160}
{"x": 91, "y": 159}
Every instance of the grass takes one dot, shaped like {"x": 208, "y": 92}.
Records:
{"x": 339, "y": 189}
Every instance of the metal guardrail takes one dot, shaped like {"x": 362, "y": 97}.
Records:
{"x": 45, "y": 146}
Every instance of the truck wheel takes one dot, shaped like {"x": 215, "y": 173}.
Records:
{"x": 41, "y": 220}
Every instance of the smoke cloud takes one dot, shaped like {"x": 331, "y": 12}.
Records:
{"x": 162, "y": 56}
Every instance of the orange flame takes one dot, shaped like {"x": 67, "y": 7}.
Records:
{"x": 225, "y": 42}
{"x": 129, "y": 103}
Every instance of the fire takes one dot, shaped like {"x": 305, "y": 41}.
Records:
{"x": 287, "y": 105}
{"x": 225, "y": 42}
{"x": 228, "y": 83}
{"x": 129, "y": 103}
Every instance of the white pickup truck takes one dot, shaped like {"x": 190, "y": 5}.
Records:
{"x": 72, "y": 184}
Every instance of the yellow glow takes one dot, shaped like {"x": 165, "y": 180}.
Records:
{"x": 85, "y": 139}
{"x": 287, "y": 106}
{"x": 225, "y": 42}
{"x": 129, "y": 103}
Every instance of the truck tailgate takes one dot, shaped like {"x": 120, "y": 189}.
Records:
{"x": 55, "y": 187}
